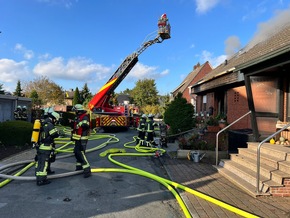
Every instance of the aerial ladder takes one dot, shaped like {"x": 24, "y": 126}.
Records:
{"x": 108, "y": 115}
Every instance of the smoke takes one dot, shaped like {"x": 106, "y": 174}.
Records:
{"x": 269, "y": 28}
{"x": 233, "y": 45}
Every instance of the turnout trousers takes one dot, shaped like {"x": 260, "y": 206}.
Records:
{"x": 42, "y": 164}
{"x": 79, "y": 151}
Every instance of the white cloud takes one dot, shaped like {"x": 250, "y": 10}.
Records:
{"x": 141, "y": 71}
{"x": 202, "y": 6}
{"x": 11, "y": 71}
{"x": 214, "y": 61}
{"x": 74, "y": 69}
{"x": 45, "y": 56}
{"x": 27, "y": 54}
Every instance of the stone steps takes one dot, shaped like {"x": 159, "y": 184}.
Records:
{"x": 241, "y": 169}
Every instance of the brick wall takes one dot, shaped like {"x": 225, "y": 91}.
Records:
{"x": 237, "y": 106}
{"x": 206, "y": 68}
{"x": 282, "y": 191}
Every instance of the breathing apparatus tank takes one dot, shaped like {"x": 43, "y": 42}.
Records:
{"x": 36, "y": 131}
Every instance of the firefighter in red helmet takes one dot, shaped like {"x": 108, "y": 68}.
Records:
{"x": 81, "y": 128}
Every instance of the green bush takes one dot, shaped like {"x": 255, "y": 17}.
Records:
{"x": 15, "y": 133}
{"x": 179, "y": 115}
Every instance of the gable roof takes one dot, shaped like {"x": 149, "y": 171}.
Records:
{"x": 277, "y": 44}
{"x": 188, "y": 79}
{"x": 69, "y": 94}
{"x": 122, "y": 98}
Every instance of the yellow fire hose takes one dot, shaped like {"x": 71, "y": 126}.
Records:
{"x": 176, "y": 185}
{"x": 145, "y": 151}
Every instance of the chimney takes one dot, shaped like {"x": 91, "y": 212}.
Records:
{"x": 196, "y": 66}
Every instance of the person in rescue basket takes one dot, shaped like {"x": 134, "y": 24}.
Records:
{"x": 48, "y": 133}
{"x": 141, "y": 130}
{"x": 81, "y": 128}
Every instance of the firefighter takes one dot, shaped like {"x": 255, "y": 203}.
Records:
{"x": 47, "y": 112}
{"x": 24, "y": 113}
{"x": 81, "y": 128}
{"x": 48, "y": 133}
{"x": 163, "y": 134}
{"x": 17, "y": 113}
{"x": 149, "y": 128}
{"x": 141, "y": 130}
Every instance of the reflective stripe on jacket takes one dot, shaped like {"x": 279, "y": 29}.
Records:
{"x": 81, "y": 127}
{"x": 141, "y": 126}
{"x": 150, "y": 126}
{"x": 78, "y": 137}
{"x": 47, "y": 133}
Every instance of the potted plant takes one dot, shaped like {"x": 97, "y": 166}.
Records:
{"x": 182, "y": 142}
{"x": 212, "y": 124}
{"x": 222, "y": 120}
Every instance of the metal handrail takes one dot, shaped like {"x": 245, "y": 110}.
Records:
{"x": 259, "y": 154}
{"x": 217, "y": 136}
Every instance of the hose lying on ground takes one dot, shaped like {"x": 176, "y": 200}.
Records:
{"x": 145, "y": 151}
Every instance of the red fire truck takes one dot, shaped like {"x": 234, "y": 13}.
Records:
{"x": 121, "y": 116}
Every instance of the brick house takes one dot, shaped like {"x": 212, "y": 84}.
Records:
{"x": 198, "y": 72}
{"x": 68, "y": 102}
{"x": 255, "y": 79}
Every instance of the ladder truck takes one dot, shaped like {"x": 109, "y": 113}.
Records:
{"x": 115, "y": 116}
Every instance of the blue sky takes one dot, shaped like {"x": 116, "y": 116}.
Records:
{"x": 74, "y": 42}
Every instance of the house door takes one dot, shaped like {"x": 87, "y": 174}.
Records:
{"x": 220, "y": 99}
{"x": 268, "y": 102}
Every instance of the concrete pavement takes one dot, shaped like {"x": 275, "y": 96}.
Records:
{"x": 204, "y": 178}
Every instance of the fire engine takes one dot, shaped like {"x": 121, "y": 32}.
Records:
{"x": 122, "y": 116}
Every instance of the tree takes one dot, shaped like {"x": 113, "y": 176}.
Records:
{"x": 77, "y": 99}
{"x": 163, "y": 103}
{"x": 1, "y": 89}
{"x": 85, "y": 94}
{"x": 127, "y": 92}
{"x": 150, "y": 109}
{"x": 36, "y": 102}
{"x": 48, "y": 92}
{"x": 145, "y": 92}
{"x": 18, "y": 90}
{"x": 179, "y": 115}
{"x": 114, "y": 99}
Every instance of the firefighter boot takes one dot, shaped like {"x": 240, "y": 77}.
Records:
{"x": 50, "y": 172}
{"x": 42, "y": 182}
{"x": 87, "y": 172}
{"x": 79, "y": 168}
